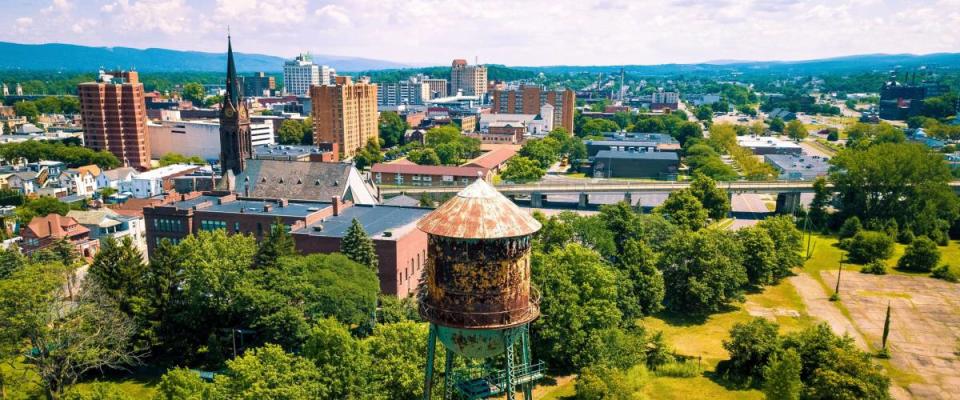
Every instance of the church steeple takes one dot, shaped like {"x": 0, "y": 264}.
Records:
{"x": 235, "y": 141}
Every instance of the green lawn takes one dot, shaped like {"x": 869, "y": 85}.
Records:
{"x": 26, "y": 385}
{"x": 826, "y": 256}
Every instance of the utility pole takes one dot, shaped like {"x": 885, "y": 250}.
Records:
{"x": 836, "y": 291}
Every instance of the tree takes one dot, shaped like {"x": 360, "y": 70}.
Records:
{"x": 278, "y": 243}
{"x": 293, "y": 131}
{"x": 86, "y": 333}
{"x": 796, "y": 131}
{"x": 777, "y": 125}
{"x": 862, "y": 135}
{"x": 357, "y": 246}
{"x": 601, "y": 382}
{"x": 544, "y": 151}
{"x": 758, "y": 128}
{"x": 269, "y": 372}
{"x": 688, "y": 131}
{"x": 194, "y": 92}
{"x": 833, "y": 368}
{"x": 751, "y": 346}
{"x": 818, "y": 206}
{"x": 781, "y": 377}
{"x": 182, "y": 383}
{"x": 850, "y": 228}
{"x": 922, "y": 255}
{"x": 11, "y": 260}
{"x": 424, "y": 157}
{"x": 26, "y": 109}
{"x": 392, "y": 128}
{"x": 400, "y": 352}
{"x": 787, "y": 243}
{"x": 522, "y": 170}
{"x": 867, "y": 246}
{"x": 644, "y": 281}
{"x": 714, "y": 199}
{"x": 11, "y": 197}
{"x": 703, "y": 271}
{"x": 451, "y": 146}
{"x": 684, "y": 210}
{"x": 579, "y": 298}
{"x": 341, "y": 359}
{"x": 118, "y": 270}
{"x": 369, "y": 155}
{"x": 759, "y": 255}
{"x": 597, "y": 126}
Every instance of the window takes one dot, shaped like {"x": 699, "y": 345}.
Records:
{"x": 236, "y": 227}
{"x": 212, "y": 225}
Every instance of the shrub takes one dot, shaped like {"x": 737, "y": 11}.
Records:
{"x": 946, "y": 273}
{"x": 940, "y": 237}
{"x": 850, "y": 227}
{"x": 750, "y": 346}
{"x": 905, "y": 236}
{"x": 875, "y": 267}
{"x": 679, "y": 369}
{"x": 922, "y": 255}
{"x": 601, "y": 382}
{"x": 867, "y": 246}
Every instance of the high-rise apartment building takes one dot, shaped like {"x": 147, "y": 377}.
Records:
{"x": 115, "y": 117}
{"x": 530, "y": 99}
{"x": 435, "y": 87}
{"x": 407, "y": 92}
{"x": 471, "y": 80}
{"x": 301, "y": 73}
{"x": 259, "y": 85}
{"x": 344, "y": 113}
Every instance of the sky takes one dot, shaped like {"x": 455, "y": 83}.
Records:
{"x": 511, "y": 32}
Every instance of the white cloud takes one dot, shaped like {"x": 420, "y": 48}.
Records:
{"x": 334, "y": 13}
{"x": 170, "y": 17}
{"x": 58, "y": 6}
{"x": 23, "y": 24}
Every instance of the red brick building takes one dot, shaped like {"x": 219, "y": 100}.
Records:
{"x": 42, "y": 232}
{"x": 115, "y": 117}
{"x": 529, "y": 99}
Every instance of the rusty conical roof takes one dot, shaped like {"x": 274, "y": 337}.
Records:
{"x": 479, "y": 212}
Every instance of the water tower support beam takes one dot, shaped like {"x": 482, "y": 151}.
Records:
{"x": 510, "y": 367}
{"x": 448, "y": 376}
{"x": 525, "y": 361}
{"x": 431, "y": 350}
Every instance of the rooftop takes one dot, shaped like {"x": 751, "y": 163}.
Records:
{"x": 638, "y": 155}
{"x": 804, "y": 167}
{"x": 376, "y": 220}
{"x": 407, "y": 168}
{"x": 163, "y": 172}
{"x": 257, "y": 207}
{"x": 284, "y": 150}
{"x": 764, "y": 141}
{"x": 479, "y": 212}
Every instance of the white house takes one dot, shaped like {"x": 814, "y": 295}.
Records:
{"x": 112, "y": 178}
{"x": 25, "y": 181}
{"x": 105, "y": 222}
{"x": 81, "y": 181}
{"x": 150, "y": 183}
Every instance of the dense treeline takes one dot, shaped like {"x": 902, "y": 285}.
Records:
{"x": 71, "y": 154}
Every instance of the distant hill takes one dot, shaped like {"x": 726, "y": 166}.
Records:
{"x": 68, "y": 57}
{"x": 847, "y": 64}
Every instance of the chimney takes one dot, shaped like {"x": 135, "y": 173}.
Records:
{"x": 267, "y": 207}
{"x": 336, "y": 205}
{"x": 283, "y": 203}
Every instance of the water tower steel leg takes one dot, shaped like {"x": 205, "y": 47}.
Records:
{"x": 525, "y": 361}
{"x": 428, "y": 373}
{"x": 448, "y": 376}
{"x": 510, "y": 367}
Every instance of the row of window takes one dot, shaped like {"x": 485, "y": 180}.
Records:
{"x": 168, "y": 225}
{"x": 212, "y": 225}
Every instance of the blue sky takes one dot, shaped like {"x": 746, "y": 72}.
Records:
{"x": 512, "y": 32}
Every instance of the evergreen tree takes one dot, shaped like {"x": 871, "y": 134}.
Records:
{"x": 357, "y": 246}
{"x": 11, "y": 260}
{"x": 118, "y": 269}
{"x": 278, "y": 243}
{"x": 782, "y": 376}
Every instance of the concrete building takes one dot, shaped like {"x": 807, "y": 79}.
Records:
{"x": 399, "y": 93}
{"x": 639, "y": 142}
{"x": 301, "y": 73}
{"x": 258, "y": 85}
{"x": 200, "y": 138}
{"x": 762, "y": 145}
{"x": 436, "y": 87}
{"x": 635, "y": 164}
{"x": 155, "y": 182}
{"x": 798, "y": 168}
{"x": 286, "y": 152}
{"x": 531, "y": 99}
{"x": 115, "y": 117}
{"x": 345, "y": 114}
{"x": 104, "y": 222}
{"x": 316, "y": 226}
{"x": 661, "y": 100}
{"x": 471, "y": 80}
{"x": 900, "y": 100}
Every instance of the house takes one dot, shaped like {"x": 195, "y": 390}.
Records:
{"x": 784, "y": 115}
{"x": 42, "y": 232}
{"x": 80, "y": 181}
{"x": 27, "y": 182}
{"x": 112, "y": 178}
{"x": 104, "y": 222}
{"x": 154, "y": 182}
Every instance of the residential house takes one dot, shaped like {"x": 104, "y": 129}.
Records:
{"x": 42, "y": 232}
{"x": 104, "y": 223}
{"x": 113, "y": 177}
{"x": 156, "y": 181}
{"x": 80, "y": 181}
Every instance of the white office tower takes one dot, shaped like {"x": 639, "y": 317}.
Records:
{"x": 300, "y": 73}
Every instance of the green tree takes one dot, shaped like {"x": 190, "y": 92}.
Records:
{"x": 818, "y": 206}
{"x": 118, "y": 270}
{"x": 392, "y": 128}
{"x": 751, "y": 346}
{"x": 26, "y": 109}
{"x": 269, "y": 373}
{"x": 522, "y": 170}
{"x": 688, "y": 131}
{"x": 781, "y": 377}
{"x": 579, "y": 298}
{"x": 278, "y": 243}
{"x": 292, "y": 131}
{"x": 369, "y": 155}
{"x": 341, "y": 359}
{"x": 777, "y": 125}
{"x": 796, "y": 131}
{"x": 11, "y": 260}
{"x": 183, "y": 384}
{"x": 601, "y": 382}
{"x": 545, "y": 151}
{"x": 177, "y": 158}
{"x": 644, "y": 282}
{"x": 714, "y": 199}
{"x": 921, "y": 255}
{"x": 787, "y": 243}
{"x": 703, "y": 271}
{"x": 400, "y": 352}
{"x": 357, "y": 246}
{"x": 194, "y": 92}
{"x": 850, "y": 228}
{"x": 597, "y": 126}
{"x": 759, "y": 255}
{"x": 867, "y": 246}
{"x": 424, "y": 157}
{"x": 833, "y": 368}
{"x": 684, "y": 210}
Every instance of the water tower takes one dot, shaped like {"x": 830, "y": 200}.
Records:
{"x": 478, "y": 298}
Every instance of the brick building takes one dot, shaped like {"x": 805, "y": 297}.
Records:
{"x": 530, "y": 99}
{"x": 471, "y": 80}
{"x": 115, "y": 117}
{"x": 43, "y": 232}
{"x": 345, "y": 114}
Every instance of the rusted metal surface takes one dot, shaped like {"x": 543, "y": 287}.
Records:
{"x": 479, "y": 212}
{"x": 478, "y": 284}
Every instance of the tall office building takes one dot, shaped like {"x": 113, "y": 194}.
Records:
{"x": 435, "y": 87}
{"x": 115, "y": 117}
{"x": 345, "y": 114}
{"x": 408, "y": 92}
{"x": 530, "y": 99}
{"x": 259, "y": 85}
{"x": 301, "y": 73}
{"x": 235, "y": 141}
{"x": 470, "y": 79}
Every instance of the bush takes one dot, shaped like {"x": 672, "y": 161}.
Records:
{"x": 946, "y": 273}
{"x": 750, "y": 346}
{"x": 850, "y": 227}
{"x": 875, "y": 267}
{"x": 922, "y": 255}
{"x": 867, "y": 246}
{"x": 605, "y": 383}
{"x": 905, "y": 236}
{"x": 679, "y": 369}
{"x": 940, "y": 237}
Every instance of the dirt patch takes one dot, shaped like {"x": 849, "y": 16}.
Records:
{"x": 819, "y": 306}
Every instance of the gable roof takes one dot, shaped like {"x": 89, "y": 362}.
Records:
{"x": 103, "y": 217}
{"x": 92, "y": 169}
{"x": 55, "y": 225}
{"x": 118, "y": 173}
{"x": 493, "y": 158}
{"x": 294, "y": 180}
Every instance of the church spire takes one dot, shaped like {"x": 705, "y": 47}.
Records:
{"x": 233, "y": 89}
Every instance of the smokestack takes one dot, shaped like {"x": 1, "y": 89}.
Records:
{"x": 336, "y": 205}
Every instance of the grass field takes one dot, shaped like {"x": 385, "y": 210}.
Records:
{"x": 826, "y": 255}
